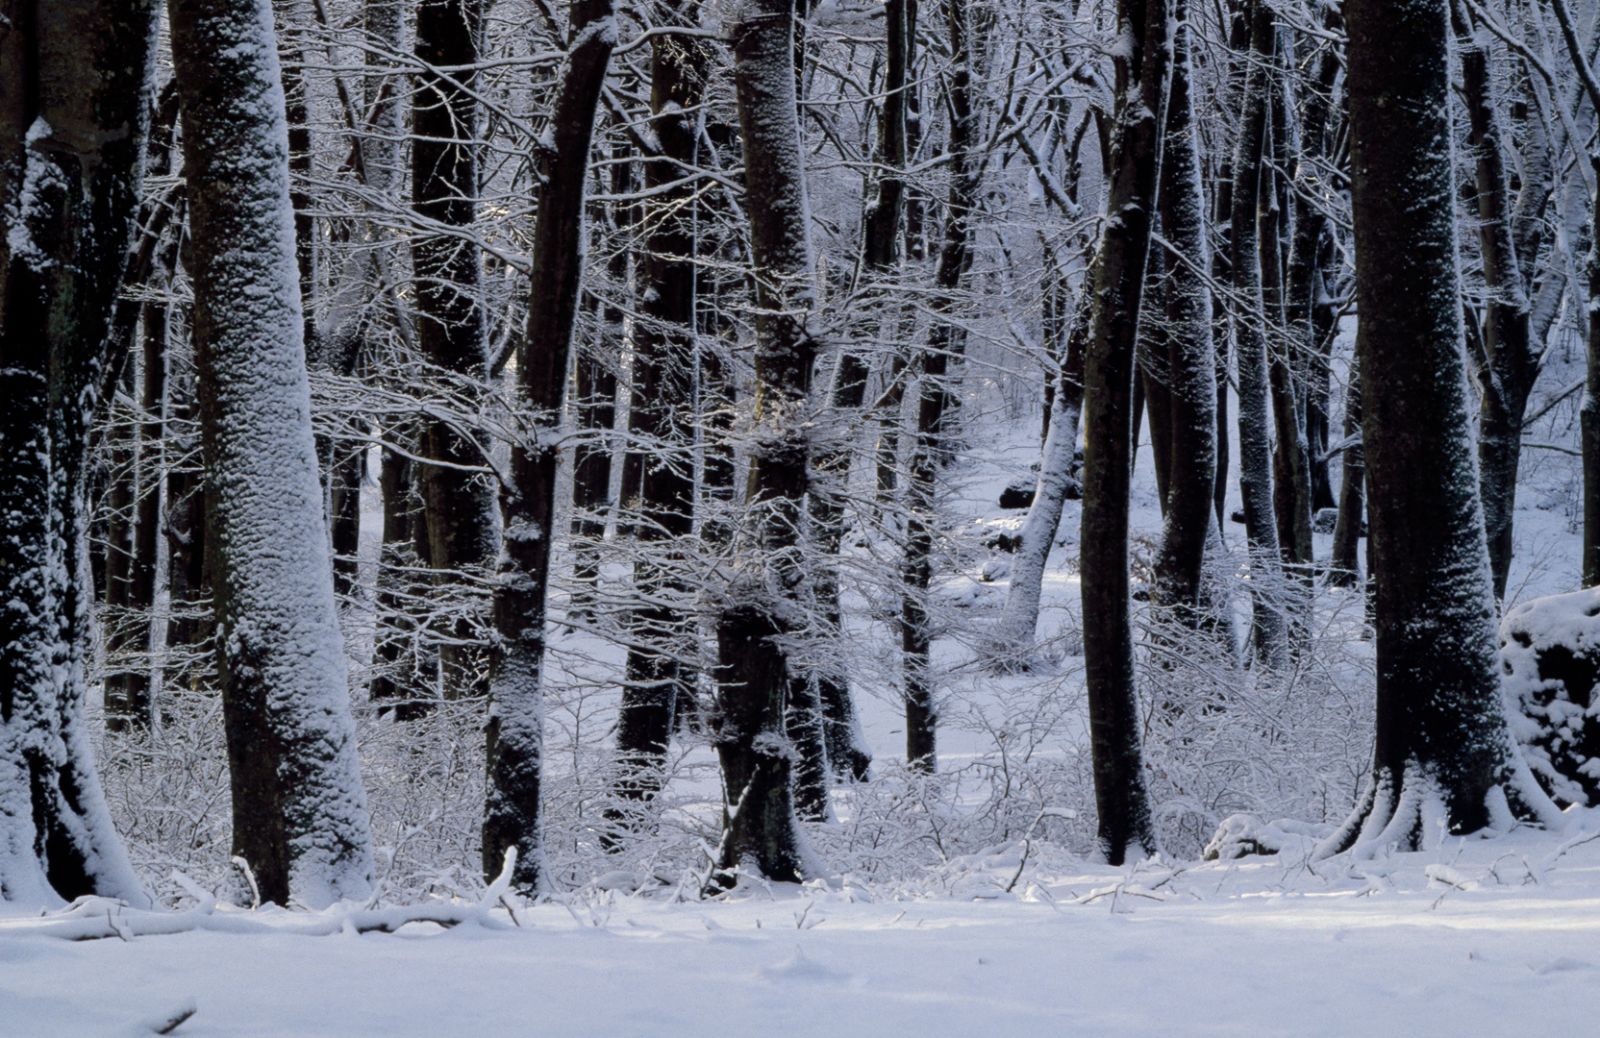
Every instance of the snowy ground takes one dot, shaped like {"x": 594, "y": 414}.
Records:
{"x": 1478, "y": 938}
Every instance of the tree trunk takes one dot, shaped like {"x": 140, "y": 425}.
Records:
{"x": 516, "y": 713}
{"x": 1444, "y": 758}
{"x": 660, "y": 627}
{"x": 754, "y": 676}
{"x": 1509, "y": 363}
{"x": 1309, "y": 342}
{"x": 1269, "y": 629}
{"x": 1589, "y": 416}
{"x": 1190, "y": 363}
{"x": 1125, "y": 823}
{"x": 1015, "y": 632}
{"x": 74, "y": 80}
{"x": 880, "y": 256}
{"x": 1233, "y": 70}
{"x": 444, "y": 188}
{"x": 933, "y": 400}
{"x": 1344, "y": 570}
{"x": 595, "y": 403}
{"x": 299, "y": 811}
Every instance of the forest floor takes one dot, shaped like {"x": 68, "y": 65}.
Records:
{"x": 1480, "y": 937}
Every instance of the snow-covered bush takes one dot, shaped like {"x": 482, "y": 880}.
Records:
{"x": 1550, "y": 652}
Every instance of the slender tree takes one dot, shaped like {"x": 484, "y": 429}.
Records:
{"x": 1269, "y": 629}
{"x": 459, "y": 504}
{"x": 1505, "y": 359}
{"x": 1191, "y": 379}
{"x": 1141, "y": 63}
{"x": 934, "y": 398}
{"x": 660, "y": 415}
{"x": 516, "y": 713}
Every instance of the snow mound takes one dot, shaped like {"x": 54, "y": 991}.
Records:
{"x": 1241, "y": 836}
{"x": 1550, "y": 652}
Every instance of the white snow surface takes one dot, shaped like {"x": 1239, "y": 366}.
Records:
{"x": 1482, "y": 937}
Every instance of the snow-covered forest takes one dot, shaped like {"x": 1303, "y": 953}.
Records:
{"x": 807, "y": 516}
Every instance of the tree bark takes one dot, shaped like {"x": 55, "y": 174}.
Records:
{"x": 74, "y": 83}
{"x": 1344, "y": 569}
{"x": 1125, "y": 823}
{"x": 754, "y": 676}
{"x": 1269, "y": 626}
{"x": 1191, "y": 386}
{"x": 661, "y": 629}
{"x": 459, "y": 504}
{"x": 516, "y": 715}
{"x": 299, "y": 810}
{"x": 1509, "y": 363}
{"x": 933, "y": 400}
{"x": 880, "y": 256}
{"x": 1444, "y": 757}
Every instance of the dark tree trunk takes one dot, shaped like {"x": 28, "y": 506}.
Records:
{"x": 1151, "y": 378}
{"x": 1344, "y": 569}
{"x": 1443, "y": 754}
{"x": 1589, "y": 416}
{"x": 1125, "y": 823}
{"x": 880, "y": 255}
{"x": 459, "y": 503}
{"x": 1190, "y": 362}
{"x": 1238, "y": 23}
{"x": 595, "y": 399}
{"x": 661, "y": 626}
{"x": 74, "y": 81}
{"x": 516, "y": 715}
{"x": 1508, "y": 364}
{"x": 754, "y": 675}
{"x": 299, "y": 811}
{"x": 1309, "y": 341}
{"x": 933, "y": 400}
{"x": 403, "y": 668}
{"x": 1269, "y": 630}
{"x": 1291, "y": 465}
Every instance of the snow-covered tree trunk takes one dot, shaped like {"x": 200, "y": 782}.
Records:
{"x": 516, "y": 713}
{"x": 1444, "y": 760}
{"x": 1269, "y": 626}
{"x": 595, "y": 369}
{"x": 458, "y": 503}
{"x": 1305, "y": 302}
{"x": 767, "y": 585}
{"x": 1014, "y": 634}
{"x": 74, "y": 78}
{"x": 1291, "y": 464}
{"x": 1141, "y": 63}
{"x": 299, "y": 810}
